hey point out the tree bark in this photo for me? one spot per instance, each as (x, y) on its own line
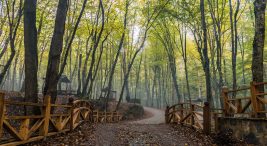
(31, 55)
(258, 43)
(205, 53)
(52, 73)
(117, 53)
(79, 76)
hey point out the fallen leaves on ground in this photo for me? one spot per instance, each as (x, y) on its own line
(82, 136)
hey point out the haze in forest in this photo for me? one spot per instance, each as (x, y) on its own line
(156, 52)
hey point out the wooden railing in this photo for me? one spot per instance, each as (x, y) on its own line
(250, 103)
(190, 114)
(16, 130)
(106, 117)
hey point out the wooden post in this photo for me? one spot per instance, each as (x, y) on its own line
(167, 115)
(105, 117)
(2, 112)
(46, 114)
(71, 100)
(239, 105)
(225, 100)
(254, 100)
(192, 114)
(206, 118)
(182, 112)
(24, 129)
(97, 116)
(215, 118)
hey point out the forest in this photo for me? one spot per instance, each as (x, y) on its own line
(158, 52)
(133, 72)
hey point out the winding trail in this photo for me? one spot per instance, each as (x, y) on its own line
(156, 118)
(150, 131)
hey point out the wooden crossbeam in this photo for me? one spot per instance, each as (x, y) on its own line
(187, 116)
(246, 106)
(200, 125)
(232, 106)
(36, 126)
(77, 113)
(263, 100)
(11, 130)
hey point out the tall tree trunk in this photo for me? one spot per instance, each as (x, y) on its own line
(205, 53)
(14, 80)
(184, 55)
(95, 46)
(233, 24)
(79, 76)
(137, 78)
(147, 83)
(110, 80)
(69, 43)
(52, 73)
(259, 38)
(258, 45)
(31, 55)
(242, 51)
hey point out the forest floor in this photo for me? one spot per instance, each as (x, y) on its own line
(148, 131)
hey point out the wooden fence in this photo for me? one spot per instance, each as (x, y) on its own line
(16, 130)
(248, 101)
(106, 117)
(190, 114)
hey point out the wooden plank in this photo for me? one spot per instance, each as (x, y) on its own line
(261, 94)
(24, 117)
(36, 126)
(61, 105)
(59, 123)
(239, 106)
(198, 121)
(24, 129)
(246, 106)
(260, 83)
(263, 100)
(75, 116)
(12, 130)
(240, 98)
(23, 103)
(60, 115)
(177, 116)
(187, 116)
(54, 125)
(65, 122)
(46, 113)
(192, 115)
(225, 99)
(254, 101)
(232, 107)
(24, 135)
(240, 89)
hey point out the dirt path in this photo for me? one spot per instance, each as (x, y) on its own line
(156, 118)
(143, 134)
(150, 131)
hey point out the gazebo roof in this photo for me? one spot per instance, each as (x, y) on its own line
(64, 79)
